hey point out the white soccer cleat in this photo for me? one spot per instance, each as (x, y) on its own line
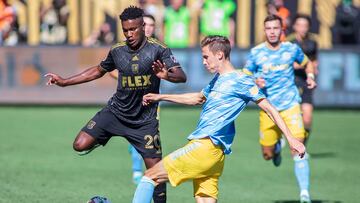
(305, 196)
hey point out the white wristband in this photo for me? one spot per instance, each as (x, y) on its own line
(311, 75)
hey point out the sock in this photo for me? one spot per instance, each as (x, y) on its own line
(160, 193)
(277, 148)
(136, 160)
(302, 172)
(144, 191)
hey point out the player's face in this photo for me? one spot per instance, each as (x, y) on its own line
(301, 26)
(133, 31)
(210, 60)
(273, 31)
(149, 27)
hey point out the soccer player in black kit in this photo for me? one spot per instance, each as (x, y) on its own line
(142, 62)
(307, 42)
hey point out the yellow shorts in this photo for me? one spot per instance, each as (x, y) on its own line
(270, 132)
(199, 160)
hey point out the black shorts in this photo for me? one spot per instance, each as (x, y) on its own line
(145, 138)
(306, 94)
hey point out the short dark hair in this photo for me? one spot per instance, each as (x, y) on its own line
(303, 16)
(149, 16)
(217, 43)
(272, 17)
(130, 13)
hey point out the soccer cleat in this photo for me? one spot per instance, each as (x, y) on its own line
(305, 197)
(137, 175)
(85, 152)
(277, 154)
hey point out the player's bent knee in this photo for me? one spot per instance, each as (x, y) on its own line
(268, 155)
(83, 141)
(79, 147)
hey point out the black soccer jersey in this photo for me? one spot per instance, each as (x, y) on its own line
(309, 47)
(136, 78)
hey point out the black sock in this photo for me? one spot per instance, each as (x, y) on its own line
(160, 193)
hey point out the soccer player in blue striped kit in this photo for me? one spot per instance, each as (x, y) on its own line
(271, 63)
(223, 99)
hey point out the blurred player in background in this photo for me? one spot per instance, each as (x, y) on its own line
(149, 21)
(272, 64)
(307, 42)
(149, 28)
(7, 18)
(141, 62)
(277, 7)
(202, 159)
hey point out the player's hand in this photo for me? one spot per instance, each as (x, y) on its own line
(160, 69)
(311, 84)
(260, 82)
(297, 147)
(150, 98)
(55, 80)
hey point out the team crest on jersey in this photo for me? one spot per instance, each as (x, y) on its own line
(135, 68)
(173, 58)
(91, 124)
(286, 56)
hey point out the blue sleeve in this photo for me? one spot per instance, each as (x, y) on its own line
(248, 89)
(250, 66)
(300, 57)
(206, 91)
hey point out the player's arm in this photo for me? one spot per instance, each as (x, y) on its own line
(187, 98)
(85, 76)
(114, 74)
(310, 73)
(304, 61)
(174, 74)
(275, 116)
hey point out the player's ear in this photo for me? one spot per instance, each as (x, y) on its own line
(220, 55)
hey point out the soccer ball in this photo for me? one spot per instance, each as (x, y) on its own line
(98, 199)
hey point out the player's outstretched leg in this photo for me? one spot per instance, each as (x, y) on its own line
(302, 173)
(84, 143)
(159, 195)
(146, 187)
(136, 165)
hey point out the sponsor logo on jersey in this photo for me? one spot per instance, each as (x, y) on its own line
(135, 81)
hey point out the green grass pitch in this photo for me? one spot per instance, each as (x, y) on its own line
(37, 163)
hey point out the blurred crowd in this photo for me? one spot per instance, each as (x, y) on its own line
(173, 21)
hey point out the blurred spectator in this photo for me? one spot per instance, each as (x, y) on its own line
(216, 19)
(7, 19)
(149, 21)
(53, 23)
(155, 8)
(101, 36)
(276, 7)
(346, 29)
(176, 25)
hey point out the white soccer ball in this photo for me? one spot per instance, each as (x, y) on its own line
(99, 199)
